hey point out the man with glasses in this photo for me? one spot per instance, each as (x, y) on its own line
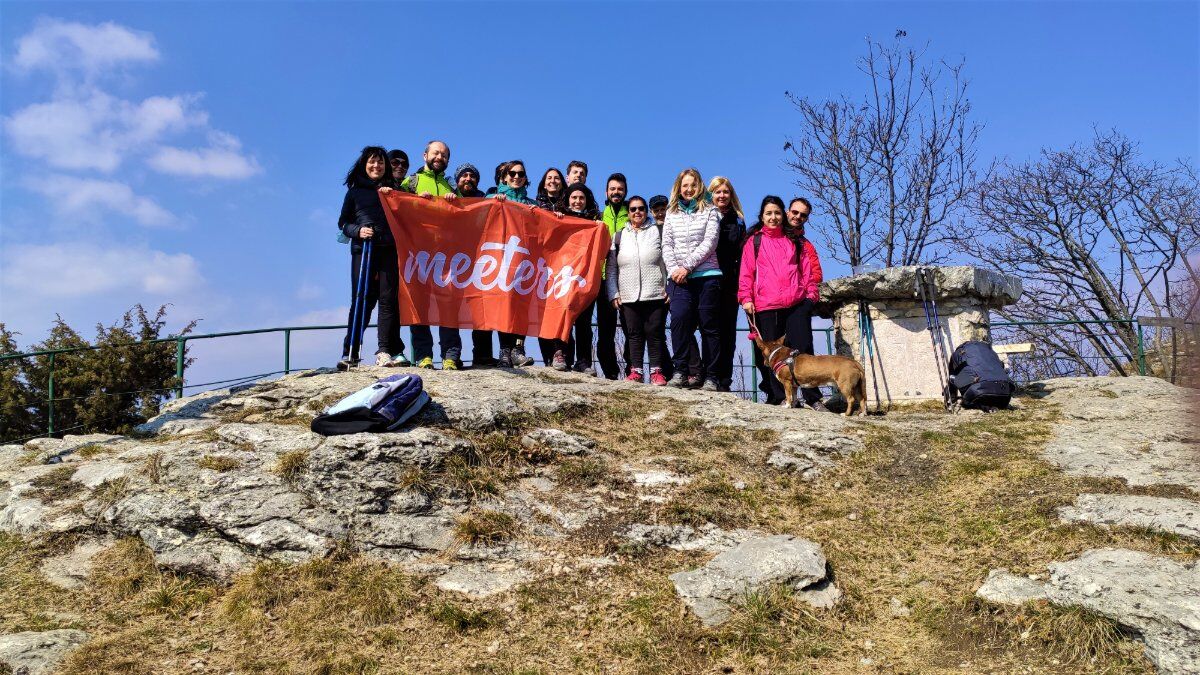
(798, 212)
(430, 181)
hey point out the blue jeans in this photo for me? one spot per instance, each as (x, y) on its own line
(448, 338)
(696, 303)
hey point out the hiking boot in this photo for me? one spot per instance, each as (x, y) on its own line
(679, 380)
(484, 362)
(585, 368)
(710, 385)
(346, 363)
(634, 375)
(383, 359)
(426, 362)
(694, 381)
(818, 406)
(519, 358)
(559, 361)
(450, 364)
(400, 361)
(506, 359)
(656, 377)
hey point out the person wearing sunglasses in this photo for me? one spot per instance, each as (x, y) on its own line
(514, 188)
(636, 283)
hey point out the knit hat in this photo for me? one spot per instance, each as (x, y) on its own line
(397, 154)
(657, 201)
(466, 168)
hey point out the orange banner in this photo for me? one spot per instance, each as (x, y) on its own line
(493, 265)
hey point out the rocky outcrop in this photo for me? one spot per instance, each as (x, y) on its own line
(992, 288)
(1177, 516)
(713, 591)
(1142, 430)
(1156, 597)
(33, 653)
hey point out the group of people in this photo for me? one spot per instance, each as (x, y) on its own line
(687, 255)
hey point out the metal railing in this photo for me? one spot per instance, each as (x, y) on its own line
(181, 344)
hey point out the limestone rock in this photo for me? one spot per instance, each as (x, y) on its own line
(1178, 516)
(481, 580)
(994, 288)
(1140, 429)
(712, 591)
(1155, 597)
(707, 537)
(559, 441)
(71, 569)
(38, 653)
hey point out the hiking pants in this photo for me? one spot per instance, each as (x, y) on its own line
(578, 348)
(795, 323)
(694, 304)
(449, 341)
(383, 279)
(606, 335)
(481, 346)
(645, 324)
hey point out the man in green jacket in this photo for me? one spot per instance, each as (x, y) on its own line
(430, 181)
(615, 217)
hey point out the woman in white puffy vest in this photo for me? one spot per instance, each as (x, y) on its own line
(689, 246)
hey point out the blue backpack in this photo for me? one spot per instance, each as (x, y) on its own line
(383, 406)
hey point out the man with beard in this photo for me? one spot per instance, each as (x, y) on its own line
(797, 215)
(615, 216)
(430, 181)
(466, 181)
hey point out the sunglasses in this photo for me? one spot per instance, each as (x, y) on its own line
(802, 216)
(399, 162)
(516, 174)
(637, 209)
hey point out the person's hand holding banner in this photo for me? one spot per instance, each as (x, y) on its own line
(493, 264)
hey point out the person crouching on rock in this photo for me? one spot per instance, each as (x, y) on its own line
(374, 272)
(637, 284)
(776, 290)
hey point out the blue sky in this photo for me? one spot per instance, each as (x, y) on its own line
(192, 153)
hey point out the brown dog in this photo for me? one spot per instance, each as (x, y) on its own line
(813, 371)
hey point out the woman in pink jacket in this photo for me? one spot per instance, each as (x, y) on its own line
(778, 286)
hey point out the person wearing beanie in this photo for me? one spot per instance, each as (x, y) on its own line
(466, 181)
(576, 201)
(398, 160)
(658, 208)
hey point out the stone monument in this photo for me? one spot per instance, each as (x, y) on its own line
(899, 359)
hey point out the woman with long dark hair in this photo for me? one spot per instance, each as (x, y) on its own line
(362, 221)
(776, 287)
(577, 201)
(550, 189)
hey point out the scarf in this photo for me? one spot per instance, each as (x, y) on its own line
(687, 205)
(515, 194)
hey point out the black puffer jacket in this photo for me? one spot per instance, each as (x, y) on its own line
(362, 208)
(729, 245)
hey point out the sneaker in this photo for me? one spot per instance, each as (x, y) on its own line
(383, 359)
(634, 375)
(400, 361)
(589, 371)
(506, 359)
(347, 363)
(426, 362)
(657, 379)
(559, 361)
(679, 380)
(694, 381)
(450, 364)
(519, 358)
(710, 385)
(581, 367)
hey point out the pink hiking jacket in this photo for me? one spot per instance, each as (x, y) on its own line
(780, 283)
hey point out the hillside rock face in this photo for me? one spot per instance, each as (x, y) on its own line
(226, 479)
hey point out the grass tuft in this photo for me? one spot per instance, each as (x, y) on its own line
(220, 463)
(461, 619)
(585, 472)
(291, 464)
(153, 467)
(55, 485)
(486, 527)
(459, 474)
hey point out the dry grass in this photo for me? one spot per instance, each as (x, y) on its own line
(153, 467)
(934, 508)
(486, 527)
(55, 484)
(289, 465)
(219, 463)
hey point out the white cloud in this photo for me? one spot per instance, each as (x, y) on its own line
(61, 271)
(86, 200)
(60, 45)
(97, 132)
(222, 160)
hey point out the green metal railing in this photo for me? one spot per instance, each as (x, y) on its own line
(1141, 338)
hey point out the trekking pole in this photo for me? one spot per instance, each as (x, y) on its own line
(921, 290)
(867, 336)
(360, 309)
(931, 279)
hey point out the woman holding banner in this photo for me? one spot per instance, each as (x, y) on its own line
(374, 272)
(689, 249)
(576, 201)
(550, 189)
(516, 180)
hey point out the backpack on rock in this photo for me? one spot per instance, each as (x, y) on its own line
(383, 406)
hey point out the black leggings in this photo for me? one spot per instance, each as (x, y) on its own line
(795, 323)
(383, 279)
(645, 330)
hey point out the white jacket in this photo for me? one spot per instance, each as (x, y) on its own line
(689, 240)
(635, 270)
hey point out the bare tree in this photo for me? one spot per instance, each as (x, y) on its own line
(1099, 235)
(892, 169)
